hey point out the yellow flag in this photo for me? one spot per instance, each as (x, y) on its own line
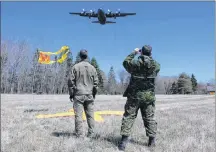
(44, 57)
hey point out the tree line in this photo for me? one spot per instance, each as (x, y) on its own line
(21, 73)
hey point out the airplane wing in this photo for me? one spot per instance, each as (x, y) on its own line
(86, 14)
(109, 15)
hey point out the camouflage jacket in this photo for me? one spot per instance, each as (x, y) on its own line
(82, 79)
(143, 73)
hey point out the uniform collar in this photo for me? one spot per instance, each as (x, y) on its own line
(85, 60)
(143, 56)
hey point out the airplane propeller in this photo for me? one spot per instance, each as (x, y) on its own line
(83, 11)
(92, 12)
(109, 11)
(118, 10)
(117, 13)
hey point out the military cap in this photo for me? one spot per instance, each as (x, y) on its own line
(83, 53)
(146, 49)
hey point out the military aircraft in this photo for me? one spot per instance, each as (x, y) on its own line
(101, 15)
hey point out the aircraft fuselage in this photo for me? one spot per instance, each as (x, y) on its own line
(101, 16)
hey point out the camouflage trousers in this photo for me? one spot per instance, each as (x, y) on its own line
(147, 111)
(86, 102)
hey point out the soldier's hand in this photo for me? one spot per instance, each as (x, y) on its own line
(136, 50)
(94, 92)
(71, 98)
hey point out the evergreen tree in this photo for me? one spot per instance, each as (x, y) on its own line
(184, 84)
(78, 59)
(174, 88)
(36, 74)
(62, 78)
(69, 62)
(112, 81)
(55, 76)
(194, 83)
(100, 79)
(88, 59)
(66, 68)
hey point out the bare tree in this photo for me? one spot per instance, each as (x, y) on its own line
(123, 77)
(17, 55)
(167, 87)
(159, 85)
(201, 88)
(163, 84)
(211, 82)
(4, 61)
(21, 73)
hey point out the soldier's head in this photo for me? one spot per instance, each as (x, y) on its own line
(146, 50)
(83, 54)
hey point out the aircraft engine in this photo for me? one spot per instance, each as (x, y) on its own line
(110, 12)
(118, 12)
(83, 11)
(91, 13)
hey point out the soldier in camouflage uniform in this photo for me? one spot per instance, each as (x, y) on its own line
(82, 81)
(140, 94)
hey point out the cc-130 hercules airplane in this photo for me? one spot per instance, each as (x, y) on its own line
(102, 16)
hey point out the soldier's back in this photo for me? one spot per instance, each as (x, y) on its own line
(142, 83)
(85, 73)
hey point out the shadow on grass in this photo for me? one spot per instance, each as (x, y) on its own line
(145, 144)
(35, 110)
(114, 140)
(138, 142)
(62, 134)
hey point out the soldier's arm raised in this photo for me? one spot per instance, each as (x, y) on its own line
(157, 68)
(129, 64)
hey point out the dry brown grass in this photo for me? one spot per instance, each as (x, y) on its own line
(185, 124)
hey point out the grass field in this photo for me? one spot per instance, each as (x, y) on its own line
(185, 124)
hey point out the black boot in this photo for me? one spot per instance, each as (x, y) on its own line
(151, 142)
(123, 143)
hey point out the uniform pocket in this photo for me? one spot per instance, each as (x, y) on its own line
(131, 106)
(79, 98)
(147, 96)
(89, 98)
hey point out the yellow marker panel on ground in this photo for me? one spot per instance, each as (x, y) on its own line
(97, 114)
